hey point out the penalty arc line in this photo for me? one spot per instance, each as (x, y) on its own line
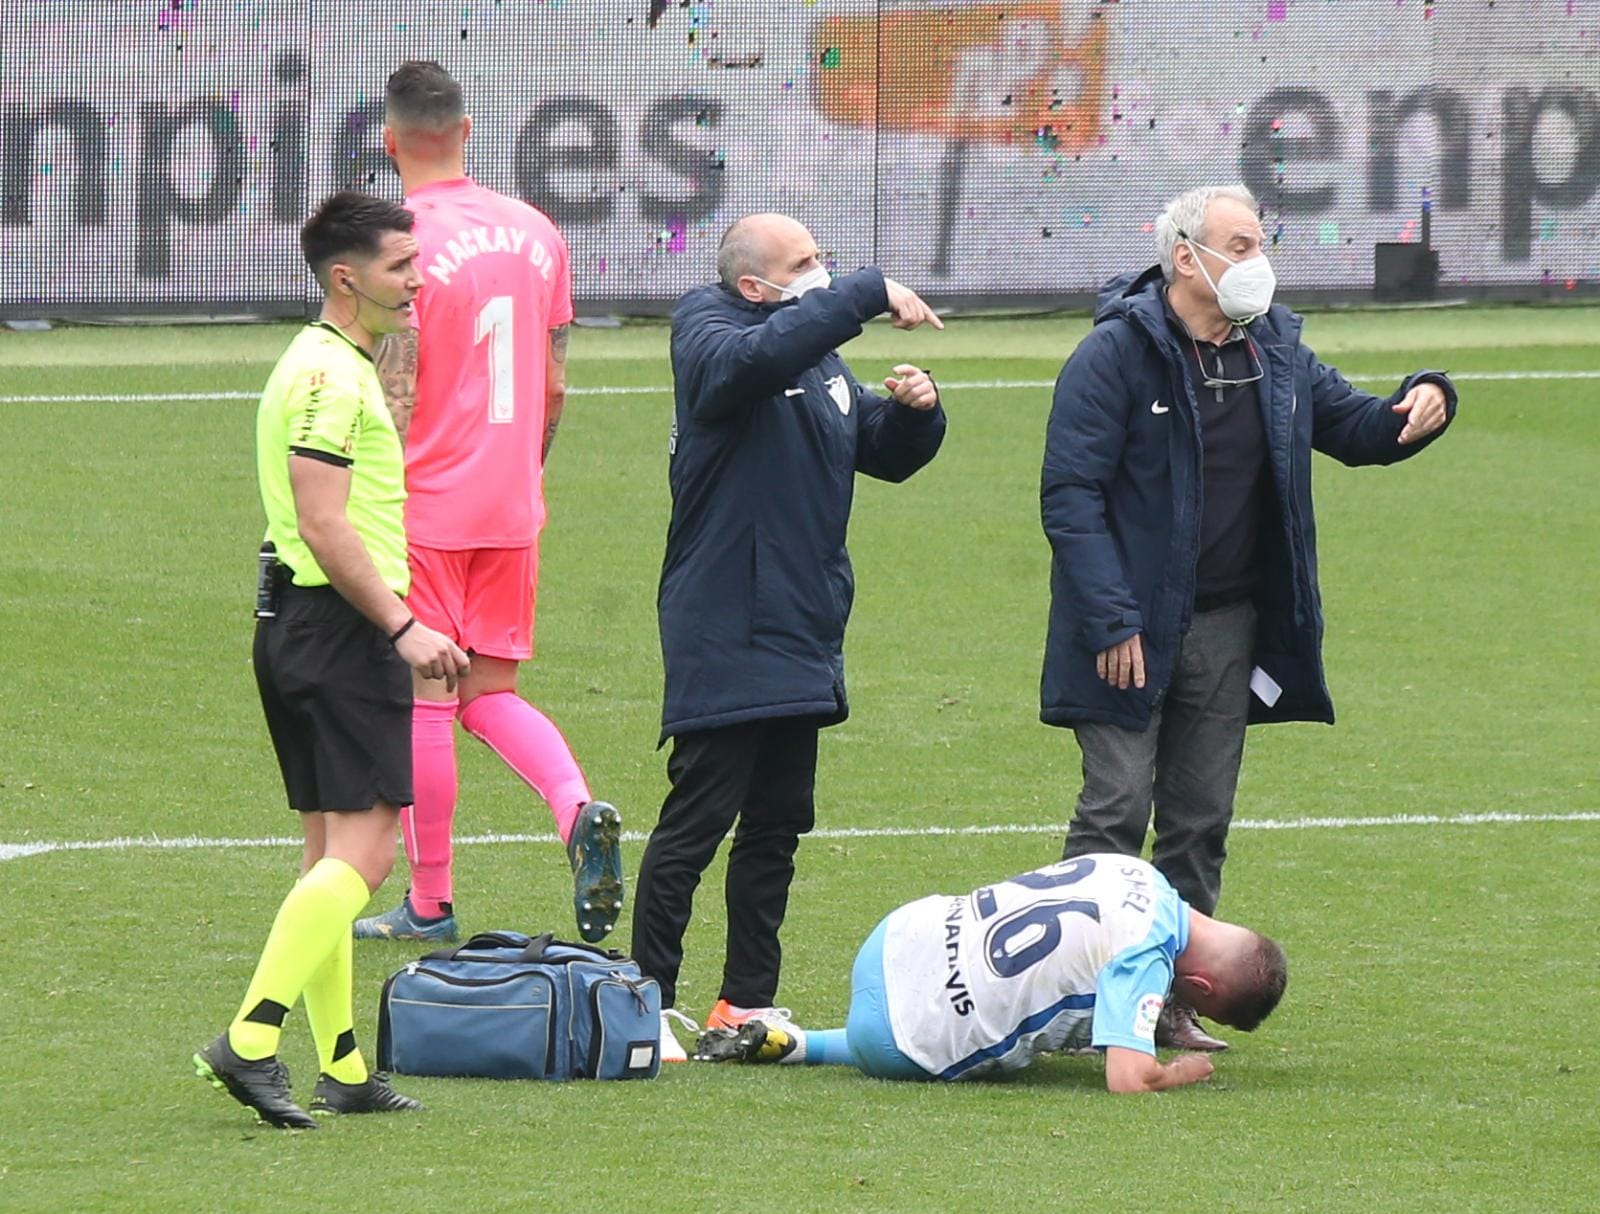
(141, 398)
(18, 851)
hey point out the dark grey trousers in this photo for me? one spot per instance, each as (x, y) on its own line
(1186, 765)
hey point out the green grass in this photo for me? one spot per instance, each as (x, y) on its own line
(1435, 1050)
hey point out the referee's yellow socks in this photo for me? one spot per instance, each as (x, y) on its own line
(328, 1008)
(311, 923)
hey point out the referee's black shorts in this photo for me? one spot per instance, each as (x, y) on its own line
(338, 703)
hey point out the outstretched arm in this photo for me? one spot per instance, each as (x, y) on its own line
(727, 365)
(1134, 1071)
(1356, 427)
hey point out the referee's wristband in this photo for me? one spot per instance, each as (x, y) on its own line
(402, 630)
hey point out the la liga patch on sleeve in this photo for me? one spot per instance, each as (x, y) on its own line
(1146, 1015)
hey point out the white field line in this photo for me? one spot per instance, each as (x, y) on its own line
(142, 398)
(18, 851)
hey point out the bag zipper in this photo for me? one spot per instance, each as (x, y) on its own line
(633, 989)
(452, 980)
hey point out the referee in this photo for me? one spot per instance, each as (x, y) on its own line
(333, 656)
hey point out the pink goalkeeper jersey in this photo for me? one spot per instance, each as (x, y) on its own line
(496, 282)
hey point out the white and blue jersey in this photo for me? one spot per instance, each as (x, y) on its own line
(1077, 954)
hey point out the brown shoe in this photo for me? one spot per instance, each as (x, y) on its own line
(1179, 1030)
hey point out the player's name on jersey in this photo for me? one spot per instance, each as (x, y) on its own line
(955, 986)
(474, 242)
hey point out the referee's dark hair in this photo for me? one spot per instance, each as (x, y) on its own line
(349, 222)
(422, 94)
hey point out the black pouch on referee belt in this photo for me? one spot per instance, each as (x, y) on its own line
(509, 1006)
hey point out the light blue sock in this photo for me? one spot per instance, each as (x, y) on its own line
(827, 1047)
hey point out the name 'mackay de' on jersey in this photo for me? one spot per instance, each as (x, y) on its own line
(1076, 954)
(496, 280)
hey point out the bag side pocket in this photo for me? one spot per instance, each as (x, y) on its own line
(616, 1024)
(437, 1023)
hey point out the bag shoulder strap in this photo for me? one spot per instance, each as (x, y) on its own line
(594, 952)
(533, 948)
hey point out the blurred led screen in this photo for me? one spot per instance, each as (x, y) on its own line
(159, 155)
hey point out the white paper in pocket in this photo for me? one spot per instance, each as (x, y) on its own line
(1265, 686)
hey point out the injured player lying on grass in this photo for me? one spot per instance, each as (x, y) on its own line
(1081, 955)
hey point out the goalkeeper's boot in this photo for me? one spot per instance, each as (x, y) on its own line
(260, 1084)
(754, 1041)
(1178, 1029)
(403, 923)
(594, 849)
(371, 1095)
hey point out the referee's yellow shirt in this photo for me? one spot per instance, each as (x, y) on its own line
(324, 401)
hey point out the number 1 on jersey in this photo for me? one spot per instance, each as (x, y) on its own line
(494, 322)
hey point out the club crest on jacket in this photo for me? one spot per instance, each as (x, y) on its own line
(839, 389)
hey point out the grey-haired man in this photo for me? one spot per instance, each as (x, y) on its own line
(1176, 496)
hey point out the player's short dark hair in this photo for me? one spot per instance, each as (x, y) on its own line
(421, 93)
(349, 222)
(1258, 983)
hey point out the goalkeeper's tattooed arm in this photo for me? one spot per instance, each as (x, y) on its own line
(397, 369)
(555, 386)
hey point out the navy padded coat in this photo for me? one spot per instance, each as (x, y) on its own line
(769, 432)
(1120, 499)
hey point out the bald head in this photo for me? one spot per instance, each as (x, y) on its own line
(769, 246)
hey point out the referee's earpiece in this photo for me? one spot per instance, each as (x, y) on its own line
(350, 285)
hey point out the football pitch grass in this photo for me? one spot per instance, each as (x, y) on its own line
(1435, 1050)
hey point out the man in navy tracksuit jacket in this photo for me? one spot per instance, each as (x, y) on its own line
(770, 430)
(1177, 499)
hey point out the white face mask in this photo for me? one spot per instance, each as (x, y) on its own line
(811, 280)
(1245, 289)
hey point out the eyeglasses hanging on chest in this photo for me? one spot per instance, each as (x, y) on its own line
(1217, 379)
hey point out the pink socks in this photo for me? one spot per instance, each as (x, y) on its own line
(531, 746)
(427, 824)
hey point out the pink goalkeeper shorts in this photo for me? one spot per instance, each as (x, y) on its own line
(481, 598)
